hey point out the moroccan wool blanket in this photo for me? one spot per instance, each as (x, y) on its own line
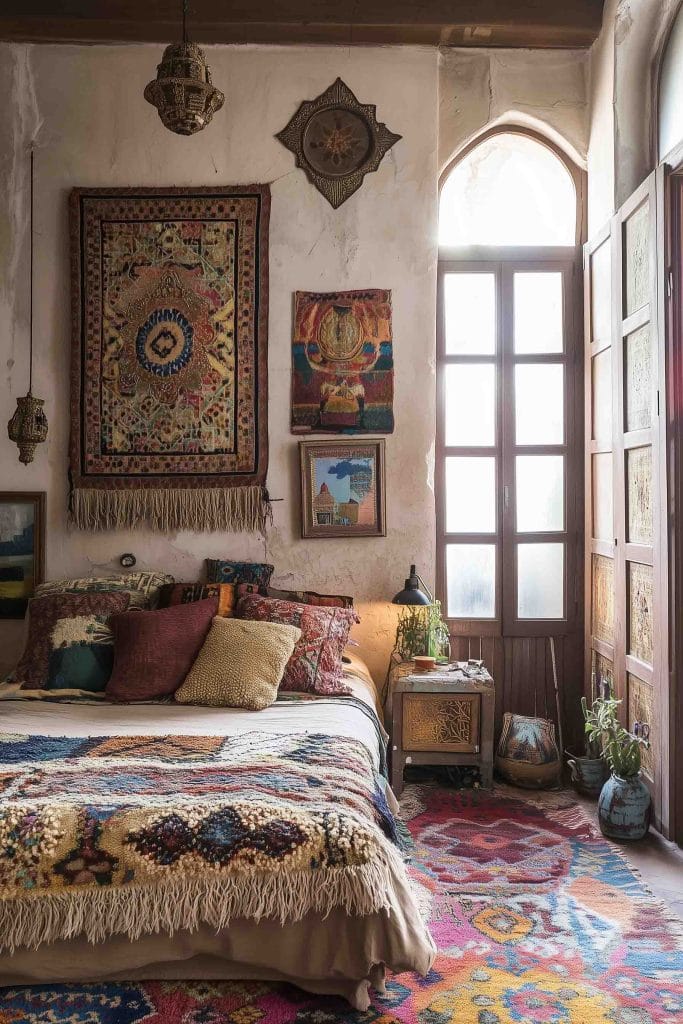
(135, 834)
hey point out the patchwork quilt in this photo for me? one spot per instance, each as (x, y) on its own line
(136, 834)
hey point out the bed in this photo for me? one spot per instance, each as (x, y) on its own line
(314, 890)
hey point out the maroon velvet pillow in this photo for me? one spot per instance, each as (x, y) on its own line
(316, 663)
(154, 651)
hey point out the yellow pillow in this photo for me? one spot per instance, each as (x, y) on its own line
(240, 664)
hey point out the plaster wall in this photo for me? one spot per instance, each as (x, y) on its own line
(544, 89)
(624, 62)
(83, 107)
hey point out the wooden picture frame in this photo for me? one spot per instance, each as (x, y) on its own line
(22, 549)
(342, 488)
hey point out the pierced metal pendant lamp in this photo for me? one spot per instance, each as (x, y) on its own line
(183, 92)
(28, 426)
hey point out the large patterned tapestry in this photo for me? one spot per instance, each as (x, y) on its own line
(135, 834)
(169, 367)
(537, 918)
(342, 363)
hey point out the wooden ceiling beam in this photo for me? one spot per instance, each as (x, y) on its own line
(532, 23)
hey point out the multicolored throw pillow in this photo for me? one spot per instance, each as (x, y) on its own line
(154, 651)
(316, 663)
(310, 597)
(33, 670)
(148, 583)
(219, 570)
(82, 654)
(228, 595)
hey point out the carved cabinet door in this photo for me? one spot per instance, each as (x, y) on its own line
(626, 555)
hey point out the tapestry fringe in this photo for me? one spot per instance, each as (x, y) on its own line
(184, 903)
(170, 509)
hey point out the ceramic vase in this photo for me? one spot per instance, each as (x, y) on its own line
(589, 774)
(624, 808)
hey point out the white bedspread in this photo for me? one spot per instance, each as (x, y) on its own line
(324, 715)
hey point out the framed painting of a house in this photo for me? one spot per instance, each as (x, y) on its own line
(22, 549)
(342, 489)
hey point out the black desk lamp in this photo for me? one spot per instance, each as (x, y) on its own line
(415, 591)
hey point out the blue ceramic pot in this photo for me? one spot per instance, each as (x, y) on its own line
(589, 774)
(624, 808)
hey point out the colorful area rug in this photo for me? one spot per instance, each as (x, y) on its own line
(538, 920)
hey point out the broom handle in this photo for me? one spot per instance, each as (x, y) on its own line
(557, 695)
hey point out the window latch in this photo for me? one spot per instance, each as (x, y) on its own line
(506, 497)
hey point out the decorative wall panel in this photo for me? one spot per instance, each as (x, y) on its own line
(603, 508)
(602, 397)
(603, 598)
(640, 600)
(637, 259)
(638, 382)
(604, 673)
(641, 709)
(639, 491)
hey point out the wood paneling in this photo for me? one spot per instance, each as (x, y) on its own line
(603, 598)
(641, 612)
(637, 646)
(639, 495)
(522, 671)
(431, 22)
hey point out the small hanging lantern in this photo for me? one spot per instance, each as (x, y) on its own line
(182, 92)
(28, 426)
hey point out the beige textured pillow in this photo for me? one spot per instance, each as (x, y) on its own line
(240, 665)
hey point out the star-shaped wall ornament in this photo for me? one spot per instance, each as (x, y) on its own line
(337, 141)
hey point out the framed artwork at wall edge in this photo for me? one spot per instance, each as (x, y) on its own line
(22, 549)
(342, 489)
(342, 362)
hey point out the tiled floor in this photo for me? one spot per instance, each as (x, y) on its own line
(659, 863)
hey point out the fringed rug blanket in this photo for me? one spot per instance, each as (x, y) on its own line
(169, 366)
(134, 835)
(538, 920)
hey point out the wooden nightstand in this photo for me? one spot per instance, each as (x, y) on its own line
(444, 717)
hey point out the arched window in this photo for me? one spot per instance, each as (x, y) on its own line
(509, 189)
(509, 465)
(671, 90)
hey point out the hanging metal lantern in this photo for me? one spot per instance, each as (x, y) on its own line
(28, 426)
(183, 92)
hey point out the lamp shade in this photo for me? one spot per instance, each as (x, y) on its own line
(412, 592)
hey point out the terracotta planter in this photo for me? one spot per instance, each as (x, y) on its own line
(589, 774)
(624, 808)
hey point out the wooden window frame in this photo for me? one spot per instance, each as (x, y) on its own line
(504, 262)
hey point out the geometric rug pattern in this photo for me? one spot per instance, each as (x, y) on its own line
(537, 918)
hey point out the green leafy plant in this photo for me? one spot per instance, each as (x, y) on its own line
(620, 748)
(421, 630)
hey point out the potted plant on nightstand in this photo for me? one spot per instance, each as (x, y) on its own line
(624, 805)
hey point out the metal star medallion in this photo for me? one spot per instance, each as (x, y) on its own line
(337, 141)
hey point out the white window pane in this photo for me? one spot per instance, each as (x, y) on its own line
(539, 403)
(470, 495)
(471, 581)
(540, 493)
(470, 404)
(538, 313)
(470, 314)
(508, 190)
(540, 581)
